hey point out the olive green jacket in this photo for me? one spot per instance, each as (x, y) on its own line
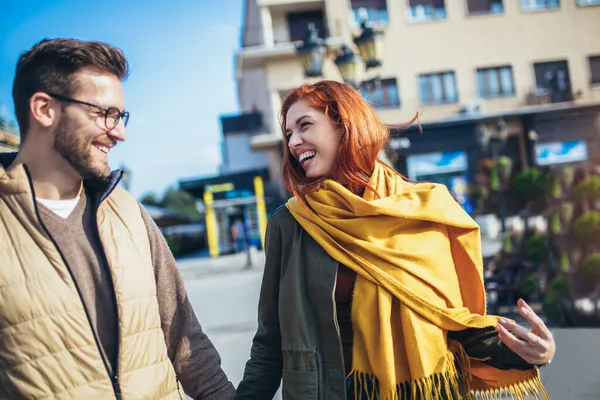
(298, 338)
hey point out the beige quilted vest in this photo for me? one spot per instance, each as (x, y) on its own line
(47, 347)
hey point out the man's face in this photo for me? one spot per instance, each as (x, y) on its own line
(82, 137)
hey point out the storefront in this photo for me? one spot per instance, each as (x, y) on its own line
(568, 137)
(449, 168)
(233, 197)
(445, 153)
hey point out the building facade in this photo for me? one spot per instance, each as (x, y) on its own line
(466, 65)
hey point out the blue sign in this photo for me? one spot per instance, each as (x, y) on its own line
(436, 163)
(560, 152)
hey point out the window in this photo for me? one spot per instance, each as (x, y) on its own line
(478, 7)
(495, 82)
(298, 24)
(553, 79)
(594, 70)
(537, 5)
(583, 3)
(438, 88)
(426, 10)
(381, 93)
(373, 10)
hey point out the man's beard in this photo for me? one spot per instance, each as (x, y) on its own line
(77, 151)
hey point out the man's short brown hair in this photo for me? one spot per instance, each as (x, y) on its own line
(49, 67)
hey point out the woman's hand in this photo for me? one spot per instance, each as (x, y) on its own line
(535, 346)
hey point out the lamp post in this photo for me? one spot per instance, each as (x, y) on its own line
(312, 52)
(370, 44)
(492, 145)
(350, 66)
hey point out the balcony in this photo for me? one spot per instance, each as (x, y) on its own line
(543, 96)
(250, 123)
(258, 56)
(283, 24)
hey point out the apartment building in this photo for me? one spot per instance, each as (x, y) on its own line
(531, 67)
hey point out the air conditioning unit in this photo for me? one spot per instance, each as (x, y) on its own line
(472, 107)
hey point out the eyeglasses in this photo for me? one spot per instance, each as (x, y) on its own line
(112, 115)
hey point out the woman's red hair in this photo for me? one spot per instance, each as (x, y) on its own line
(363, 136)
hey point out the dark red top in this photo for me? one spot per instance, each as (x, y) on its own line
(344, 290)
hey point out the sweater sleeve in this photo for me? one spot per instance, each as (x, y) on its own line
(194, 357)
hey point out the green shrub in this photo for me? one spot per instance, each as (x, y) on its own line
(528, 286)
(558, 288)
(586, 228)
(588, 188)
(530, 185)
(553, 310)
(535, 248)
(590, 267)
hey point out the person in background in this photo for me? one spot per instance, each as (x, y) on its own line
(238, 233)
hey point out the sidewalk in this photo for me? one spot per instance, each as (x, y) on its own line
(192, 267)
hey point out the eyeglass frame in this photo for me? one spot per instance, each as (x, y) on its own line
(122, 115)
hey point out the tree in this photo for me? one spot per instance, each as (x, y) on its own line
(178, 201)
(150, 199)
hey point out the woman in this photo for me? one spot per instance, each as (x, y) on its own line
(373, 285)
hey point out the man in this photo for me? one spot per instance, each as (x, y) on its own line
(238, 232)
(92, 303)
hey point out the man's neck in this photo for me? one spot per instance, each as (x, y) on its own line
(51, 181)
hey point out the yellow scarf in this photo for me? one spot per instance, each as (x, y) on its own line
(418, 261)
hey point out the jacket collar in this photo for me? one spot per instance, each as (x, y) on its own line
(98, 188)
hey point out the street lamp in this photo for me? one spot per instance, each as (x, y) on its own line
(350, 66)
(312, 52)
(492, 145)
(370, 44)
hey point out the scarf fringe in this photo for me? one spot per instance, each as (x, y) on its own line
(532, 389)
(434, 387)
(453, 384)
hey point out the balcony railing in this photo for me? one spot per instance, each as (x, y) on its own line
(540, 96)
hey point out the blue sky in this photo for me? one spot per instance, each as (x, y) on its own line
(181, 54)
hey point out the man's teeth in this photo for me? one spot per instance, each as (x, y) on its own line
(103, 149)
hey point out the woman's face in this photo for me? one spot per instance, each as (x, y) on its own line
(312, 140)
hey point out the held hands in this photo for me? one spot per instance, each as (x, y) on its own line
(535, 346)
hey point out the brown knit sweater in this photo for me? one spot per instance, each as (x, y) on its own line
(196, 361)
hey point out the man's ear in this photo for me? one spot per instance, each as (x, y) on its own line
(43, 109)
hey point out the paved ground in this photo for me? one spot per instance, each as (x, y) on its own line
(224, 293)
